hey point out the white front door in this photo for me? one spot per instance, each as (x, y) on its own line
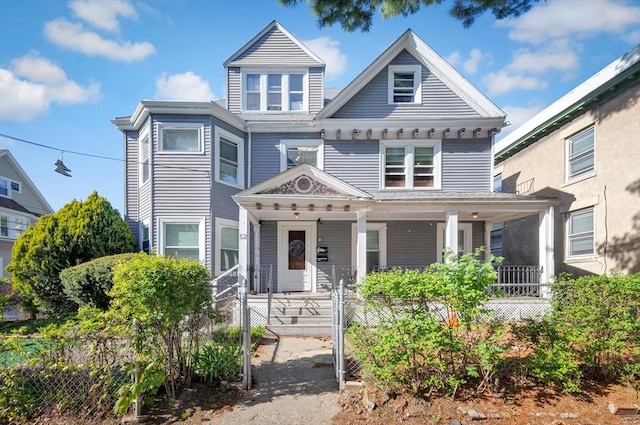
(296, 256)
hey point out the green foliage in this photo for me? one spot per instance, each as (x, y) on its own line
(170, 297)
(88, 283)
(358, 14)
(80, 231)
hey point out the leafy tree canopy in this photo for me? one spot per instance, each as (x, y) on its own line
(358, 14)
(80, 231)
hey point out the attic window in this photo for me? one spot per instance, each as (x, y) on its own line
(405, 84)
(275, 91)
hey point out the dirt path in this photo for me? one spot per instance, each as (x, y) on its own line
(294, 384)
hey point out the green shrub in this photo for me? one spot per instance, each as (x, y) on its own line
(88, 283)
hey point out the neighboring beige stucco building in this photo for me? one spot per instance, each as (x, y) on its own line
(585, 150)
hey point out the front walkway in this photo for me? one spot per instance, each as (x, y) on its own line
(294, 383)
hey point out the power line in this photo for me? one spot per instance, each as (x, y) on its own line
(17, 139)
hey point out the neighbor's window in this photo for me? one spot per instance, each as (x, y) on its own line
(182, 239)
(145, 242)
(4, 187)
(16, 187)
(4, 226)
(275, 91)
(411, 165)
(497, 183)
(181, 138)
(581, 154)
(405, 84)
(229, 158)
(580, 233)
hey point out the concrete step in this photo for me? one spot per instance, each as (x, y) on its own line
(302, 311)
(301, 329)
(293, 319)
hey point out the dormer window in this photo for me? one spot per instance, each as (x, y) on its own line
(405, 84)
(275, 91)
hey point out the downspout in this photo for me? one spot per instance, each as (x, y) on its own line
(249, 156)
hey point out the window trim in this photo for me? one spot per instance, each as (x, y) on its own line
(284, 90)
(10, 190)
(382, 240)
(162, 127)
(410, 146)
(573, 178)
(221, 223)
(467, 229)
(417, 83)
(144, 137)
(285, 144)
(146, 223)
(200, 221)
(239, 141)
(569, 236)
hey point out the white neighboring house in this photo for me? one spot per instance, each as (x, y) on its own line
(21, 205)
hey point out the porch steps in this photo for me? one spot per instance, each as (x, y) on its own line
(300, 314)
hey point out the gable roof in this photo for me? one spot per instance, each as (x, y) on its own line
(298, 48)
(440, 68)
(608, 81)
(26, 181)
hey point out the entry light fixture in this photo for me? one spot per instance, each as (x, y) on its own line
(296, 216)
(474, 215)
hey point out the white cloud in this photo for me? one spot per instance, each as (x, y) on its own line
(563, 18)
(75, 37)
(103, 14)
(471, 64)
(33, 83)
(518, 115)
(329, 51)
(454, 59)
(632, 37)
(555, 56)
(187, 86)
(504, 81)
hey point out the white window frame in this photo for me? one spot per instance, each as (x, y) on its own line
(144, 139)
(569, 237)
(466, 228)
(417, 82)
(222, 223)
(297, 143)
(162, 127)
(285, 92)
(410, 146)
(200, 221)
(592, 152)
(145, 224)
(4, 226)
(239, 141)
(9, 183)
(382, 240)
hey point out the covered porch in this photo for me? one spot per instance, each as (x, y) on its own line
(300, 226)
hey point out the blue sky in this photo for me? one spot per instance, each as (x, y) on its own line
(67, 68)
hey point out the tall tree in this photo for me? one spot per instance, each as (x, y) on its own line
(80, 231)
(358, 14)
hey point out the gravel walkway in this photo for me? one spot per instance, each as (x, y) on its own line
(294, 384)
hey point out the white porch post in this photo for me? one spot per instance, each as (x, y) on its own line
(361, 244)
(256, 256)
(488, 227)
(545, 246)
(243, 246)
(451, 232)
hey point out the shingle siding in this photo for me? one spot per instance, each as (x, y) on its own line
(438, 100)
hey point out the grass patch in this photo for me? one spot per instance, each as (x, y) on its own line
(29, 327)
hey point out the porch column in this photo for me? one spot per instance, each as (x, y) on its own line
(545, 246)
(488, 227)
(361, 244)
(451, 232)
(243, 246)
(256, 256)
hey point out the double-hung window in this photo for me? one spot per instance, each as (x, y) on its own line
(145, 159)
(227, 244)
(4, 226)
(229, 158)
(183, 238)
(405, 84)
(376, 246)
(410, 165)
(4, 188)
(185, 138)
(580, 233)
(275, 91)
(294, 152)
(581, 154)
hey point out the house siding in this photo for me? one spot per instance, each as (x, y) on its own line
(268, 252)
(131, 201)
(234, 89)
(316, 90)
(357, 162)
(274, 48)
(466, 165)
(336, 236)
(438, 100)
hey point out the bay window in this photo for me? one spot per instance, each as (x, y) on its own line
(227, 244)
(183, 238)
(229, 155)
